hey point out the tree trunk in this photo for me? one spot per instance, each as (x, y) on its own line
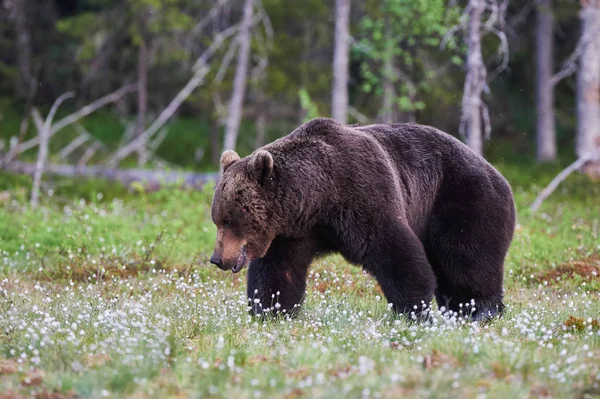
(588, 82)
(544, 36)
(475, 80)
(234, 117)
(39, 165)
(142, 98)
(18, 10)
(339, 101)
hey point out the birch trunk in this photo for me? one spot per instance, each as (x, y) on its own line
(588, 82)
(234, 117)
(545, 130)
(339, 100)
(475, 80)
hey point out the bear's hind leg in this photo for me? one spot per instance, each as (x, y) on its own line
(277, 282)
(399, 264)
(467, 253)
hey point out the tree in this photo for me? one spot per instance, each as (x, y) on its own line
(399, 45)
(241, 76)
(588, 84)
(476, 79)
(148, 29)
(544, 39)
(339, 98)
(475, 120)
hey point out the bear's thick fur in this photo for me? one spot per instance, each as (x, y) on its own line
(412, 205)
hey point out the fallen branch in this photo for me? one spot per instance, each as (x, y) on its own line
(151, 179)
(164, 116)
(88, 154)
(73, 145)
(72, 118)
(545, 193)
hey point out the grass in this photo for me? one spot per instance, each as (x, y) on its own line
(108, 293)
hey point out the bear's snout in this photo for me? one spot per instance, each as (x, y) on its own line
(217, 261)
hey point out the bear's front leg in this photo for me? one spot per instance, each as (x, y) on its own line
(399, 263)
(277, 282)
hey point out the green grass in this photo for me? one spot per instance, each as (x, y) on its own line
(106, 292)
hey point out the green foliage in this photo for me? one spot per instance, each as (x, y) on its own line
(158, 24)
(307, 105)
(300, 55)
(405, 35)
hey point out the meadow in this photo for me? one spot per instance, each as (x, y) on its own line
(108, 292)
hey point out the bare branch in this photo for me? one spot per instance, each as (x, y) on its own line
(502, 53)
(44, 135)
(218, 42)
(74, 117)
(87, 155)
(487, 125)
(356, 114)
(210, 15)
(73, 145)
(545, 193)
(569, 66)
(226, 61)
(219, 106)
(160, 137)
(264, 17)
(518, 19)
(164, 116)
(462, 25)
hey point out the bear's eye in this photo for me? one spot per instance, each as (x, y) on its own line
(227, 222)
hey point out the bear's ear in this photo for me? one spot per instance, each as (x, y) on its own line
(228, 158)
(262, 163)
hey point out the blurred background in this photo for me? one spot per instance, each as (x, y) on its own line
(170, 84)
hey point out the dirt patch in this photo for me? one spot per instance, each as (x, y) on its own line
(96, 360)
(579, 324)
(439, 359)
(8, 367)
(55, 395)
(33, 378)
(540, 391)
(105, 270)
(588, 267)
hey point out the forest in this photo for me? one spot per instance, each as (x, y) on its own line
(114, 115)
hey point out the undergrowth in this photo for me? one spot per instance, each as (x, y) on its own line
(107, 292)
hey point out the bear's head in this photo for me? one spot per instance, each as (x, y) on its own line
(240, 210)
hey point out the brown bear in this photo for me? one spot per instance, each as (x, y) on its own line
(411, 204)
